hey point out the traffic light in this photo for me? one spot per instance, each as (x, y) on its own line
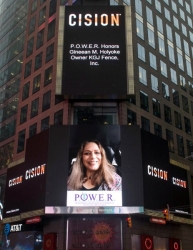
(129, 222)
(166, 214)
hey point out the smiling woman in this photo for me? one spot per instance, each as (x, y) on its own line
(92, 171)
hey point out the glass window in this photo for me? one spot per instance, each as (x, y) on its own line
(158, 6)
(178, 40)
(145, 124)
(167, 14)
(166, 1)
(156, 107)
(152, 60)
(36, 83)
(32, 24)
(52, 9)
(191, 36)
(176, 22)
(161, 46)
(154, 84)
(33, 130)
(171, 54)
(131, 117)
(48, 75)
(167, 114)
(159, 24)
(182, 15)
(141, 52)
(180, 61)
(190, 88)
(139, 29)
(186, 48)
(184, 30)
(46, 101)
(174, 6)
(163, 68)
(178, 121)
(30, 45)
(190, 150)
(144, 101)
(165, 91)
(38, 61)
(23, 114)
(142, 76)
(21, 141)
(157, 130)
(149, 15)
(176, 97)
(34, 107)
(7, 131)
(28, 69)
(45, 123)
(58, 117)
(25, 92)
(185, 103)
(169, 33)
(180, 144)
(187, 124)
(188, 66)
(182, 83)
(187, 7)
(49, 52)
(40, 39)
(42, 16)
(34, 6)
(138, 7)
(173, 76)
(151, 38)
(51, 29)
(42, 1)
(170, 139)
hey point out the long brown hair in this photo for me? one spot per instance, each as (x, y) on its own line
(103, 174)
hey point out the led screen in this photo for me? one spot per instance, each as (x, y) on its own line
(94, 61)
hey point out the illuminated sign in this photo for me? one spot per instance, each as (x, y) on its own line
(158, 173)
(94, 48)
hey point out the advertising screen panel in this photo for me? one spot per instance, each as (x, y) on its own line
(94, 59)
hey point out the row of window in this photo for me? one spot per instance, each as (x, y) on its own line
(145, 124)
(45, 123)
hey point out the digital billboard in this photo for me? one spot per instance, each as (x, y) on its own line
(94, 58)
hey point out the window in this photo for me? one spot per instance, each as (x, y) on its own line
(33, 130)
(51, 29)
(173, 76)
(142, 76)
(157, 130)
(46, 101)
(184, 30)
(161, 46)
(58, 117)
(131, 117)
(191, 36)
(190, 149)
(34, 107)
(181, 2)
(139, 29)
(174, 6)
(182, 83)
(171, 53)
(156, 107)
(30, 45)
(158, 6)
(23, 114)
(42, 1)
(21, 141)
(187, 7)
(167, 114)
(180, 60)
(144, 101)
(52, 9)
(40, 39)
(176, 22)
(190, 88)
(166, 1)
(186, 48)
(33, 6)
(27, 69)
(176, 97)
(165, 91)
(141, 52)
(152, 60)
(42, 16)
(180, 144)
(138, 7)
(45, 123)
(36, 83)
(170, 139)
(188, 66)
(48, 76)
(185, 103)
(25, 92)
(163, 68)
(178, 40)
(49, 52)
(38, 61)
(159, 24)
(149, 15)
(167, 14)
(154, 84)
(151, 38)
(178, 121)
(187, 124)
(169, 33)
(32, 24)
(145, 124)
(182, 15)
